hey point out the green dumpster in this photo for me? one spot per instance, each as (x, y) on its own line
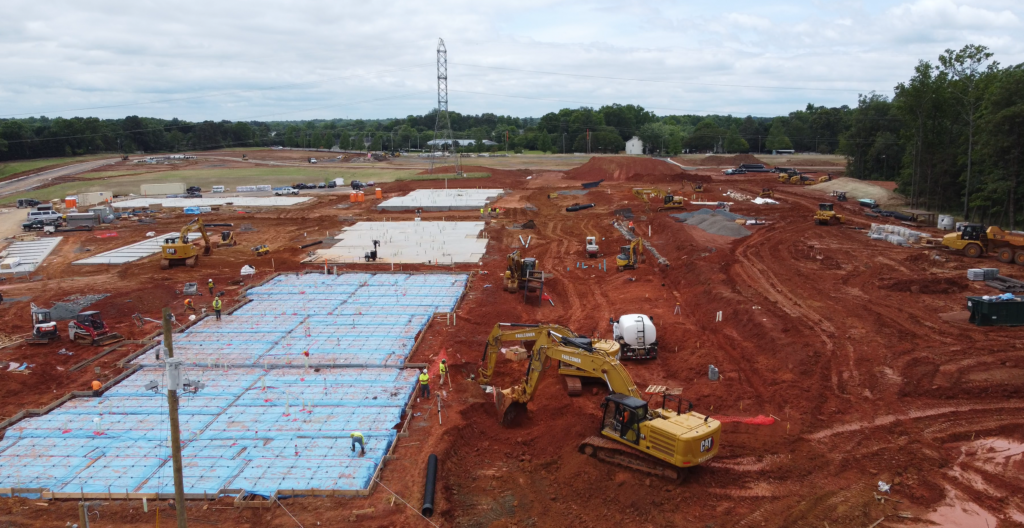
(996, 312)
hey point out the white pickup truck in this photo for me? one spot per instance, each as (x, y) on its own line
(284, 191)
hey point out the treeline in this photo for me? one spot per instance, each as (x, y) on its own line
(953, 134)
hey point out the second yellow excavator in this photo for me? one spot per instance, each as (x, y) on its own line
(630, 256)
(658, 441)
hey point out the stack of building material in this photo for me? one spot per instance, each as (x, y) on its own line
(976, 274)
(897, 235)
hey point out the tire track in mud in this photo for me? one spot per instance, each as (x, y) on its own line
(916, 415)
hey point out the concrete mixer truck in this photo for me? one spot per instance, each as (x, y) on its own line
(636, 335)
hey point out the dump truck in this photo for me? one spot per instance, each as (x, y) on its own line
(974, 240)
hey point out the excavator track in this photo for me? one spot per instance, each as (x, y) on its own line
(616, 453)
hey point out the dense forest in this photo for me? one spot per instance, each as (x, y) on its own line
(952, 136)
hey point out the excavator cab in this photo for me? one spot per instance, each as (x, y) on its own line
(622, 417)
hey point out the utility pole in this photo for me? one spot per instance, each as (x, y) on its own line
(173, 381)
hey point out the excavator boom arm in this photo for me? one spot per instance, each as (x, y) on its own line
(505, 332)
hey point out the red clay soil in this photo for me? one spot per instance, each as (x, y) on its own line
(620, 168)
(720, 161)
(855, 346)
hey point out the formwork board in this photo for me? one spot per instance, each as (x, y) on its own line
(408, 242)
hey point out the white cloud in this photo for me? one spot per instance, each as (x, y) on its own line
(372, 60)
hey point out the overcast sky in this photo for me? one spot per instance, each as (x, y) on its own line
(272, 60)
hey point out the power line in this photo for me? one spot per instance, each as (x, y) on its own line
(216, 94)
(660, 81)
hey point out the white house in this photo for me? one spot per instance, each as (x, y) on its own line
(634, 146)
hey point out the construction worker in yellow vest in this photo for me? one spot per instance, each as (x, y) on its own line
(424, 384)
(357, 438)
(209, 284)
(444, 370)
(216, 307)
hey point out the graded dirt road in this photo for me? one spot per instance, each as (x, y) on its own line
(32, 181)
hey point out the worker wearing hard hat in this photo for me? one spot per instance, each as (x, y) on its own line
(444, 370)
(424, 384)
(189, 305)
(209, 284)
(217, 304)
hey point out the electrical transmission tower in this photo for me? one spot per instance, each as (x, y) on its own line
(443, 126)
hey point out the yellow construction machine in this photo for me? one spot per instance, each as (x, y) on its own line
(518, 270)
(697, 187)
(227, 239)
(535, 336)
(826, 215)
(177, 251)
(658, 441)
(669, 201)
(767, 192)
(630, 256)
(261, 250)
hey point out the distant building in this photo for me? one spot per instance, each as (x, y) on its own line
(634, 146)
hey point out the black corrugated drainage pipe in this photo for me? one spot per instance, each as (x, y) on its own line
(428, 489)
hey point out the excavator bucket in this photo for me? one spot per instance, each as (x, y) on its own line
(507, 406)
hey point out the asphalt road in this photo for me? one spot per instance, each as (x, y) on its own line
(26, 183)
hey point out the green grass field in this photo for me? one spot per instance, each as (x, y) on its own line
(11, 168)
(129, 181)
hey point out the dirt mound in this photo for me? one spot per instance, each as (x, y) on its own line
(721, 161)
(924, 286)
(621, 168)
(856, 189)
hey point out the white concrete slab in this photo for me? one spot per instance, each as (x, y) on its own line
(30, 254)
(244, 201)
(442, 200)
(409, 242)
(133, 252)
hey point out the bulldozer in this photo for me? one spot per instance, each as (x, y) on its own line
(669, 201)
(840, 196)
(506, 333)
(88, 327)
(227, 239)
(44, 329)
(767, 192)
(178, 251)
(657, 441)
(261, 250)
(518, 270)
(826, 215)
(630, 256)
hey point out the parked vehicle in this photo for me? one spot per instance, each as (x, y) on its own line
(356, 185)
(218, 188)
(27, 202)
(39, 224)
(321, 186)
(43, 215)
(193, 190)
(331, 185)
(286, 191)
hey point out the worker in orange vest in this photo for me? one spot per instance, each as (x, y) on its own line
(189, 305)
(96, 386)
(631, 228)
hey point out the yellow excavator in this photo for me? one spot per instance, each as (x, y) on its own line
(177, 251)
(697, 187)
(826, 215)
(539, 335)
(630, 256)
(658, 441)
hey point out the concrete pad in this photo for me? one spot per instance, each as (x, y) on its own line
(246, 201)
(31, 254)
(408, 242)
(442, 200)
(133, 252)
